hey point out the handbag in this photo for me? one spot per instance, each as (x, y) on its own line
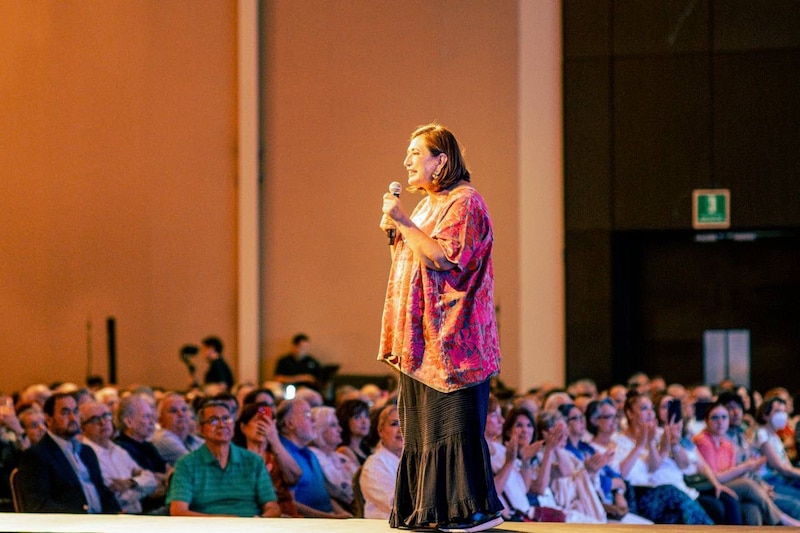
(698, 482)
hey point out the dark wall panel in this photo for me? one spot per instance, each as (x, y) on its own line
(662, 97)
(587, 132)
(757, 136)
(756, 24)
(660, 27)
(662, 124)
(587, 28)
(588, 272)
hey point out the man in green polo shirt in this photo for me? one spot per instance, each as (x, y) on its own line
(218, 478)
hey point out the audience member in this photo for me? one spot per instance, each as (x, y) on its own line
(298, 366)
(772, 417)
(218, 370)
(259, 395)
(220, 479)
(108, 396)
(296, 432)
(639, 382)
(36, 393)
(60, 474)
(241, 390)
(718, 452)
(353, 417)
(700, 398)
(256, 431)
(378, 475)
(638, 455)
(311, 396)
(137, 423)
(337, 467)
(31, 418)
(230, 400)
(129, 482)
(611, 487)
(174, 438)
(685, 463)
(512, 465)
(567, 478)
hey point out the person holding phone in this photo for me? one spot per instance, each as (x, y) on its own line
(256, 431)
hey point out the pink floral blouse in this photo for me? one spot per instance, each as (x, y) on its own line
(439, 327)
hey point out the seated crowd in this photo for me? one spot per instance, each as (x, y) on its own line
(638, 453)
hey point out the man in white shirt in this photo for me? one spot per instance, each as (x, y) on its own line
(121, 474)
(174, 438)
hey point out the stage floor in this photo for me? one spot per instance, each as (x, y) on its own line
(151, 524)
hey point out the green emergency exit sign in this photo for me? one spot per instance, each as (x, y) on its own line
(711, 208)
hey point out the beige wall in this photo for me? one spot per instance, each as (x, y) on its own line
(346, 83)
(118, 154)
(117, 185)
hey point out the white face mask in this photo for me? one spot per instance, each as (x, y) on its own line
(778, 420)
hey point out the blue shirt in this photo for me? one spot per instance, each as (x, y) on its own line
(241, 489)
(606, 474)
(310, 488)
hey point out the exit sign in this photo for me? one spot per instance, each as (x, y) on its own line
(711, 208)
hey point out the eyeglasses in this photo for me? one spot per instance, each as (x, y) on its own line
(718, 417)
(99, 419)
(216, 420)
(575, 418)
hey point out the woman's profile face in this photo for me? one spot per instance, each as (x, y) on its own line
(605, 419)
(420, 164)
(494, 423)
(331, 432)
(359, 424)
(576, 423)
(641, 412)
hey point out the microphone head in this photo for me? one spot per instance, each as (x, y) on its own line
(395, 187)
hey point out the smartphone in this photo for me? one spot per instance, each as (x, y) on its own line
(265, 411)
(674, 411)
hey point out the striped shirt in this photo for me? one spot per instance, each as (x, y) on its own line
(241, 489)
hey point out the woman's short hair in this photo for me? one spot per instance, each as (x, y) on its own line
(321, 417)
(440, 140)
(546, 420)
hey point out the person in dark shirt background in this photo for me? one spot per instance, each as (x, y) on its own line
(218, 370)
(298, 366)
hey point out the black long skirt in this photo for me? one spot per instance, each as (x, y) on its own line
(445, 472)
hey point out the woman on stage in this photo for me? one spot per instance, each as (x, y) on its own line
(439, 330)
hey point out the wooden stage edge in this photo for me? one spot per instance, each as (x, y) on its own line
(23, 522)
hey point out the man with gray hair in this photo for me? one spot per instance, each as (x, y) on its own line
(174, 438)
(136, 421)
(297, 431)
(121, 474)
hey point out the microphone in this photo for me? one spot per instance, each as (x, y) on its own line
(394, 188)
